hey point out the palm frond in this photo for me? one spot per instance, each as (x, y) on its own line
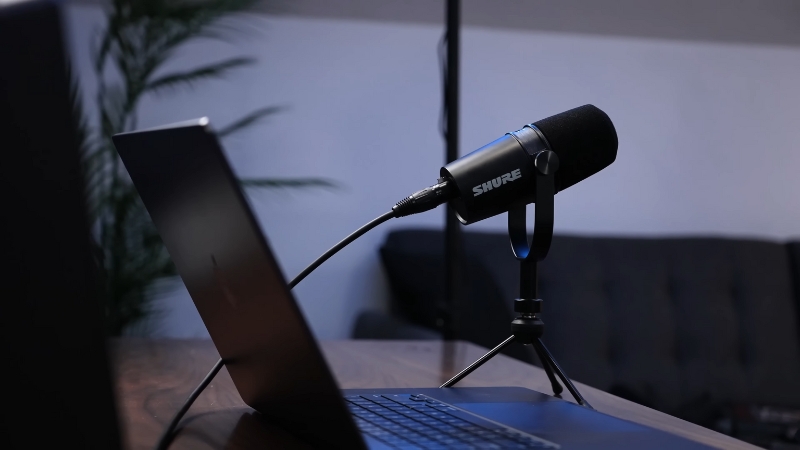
(81, 126)
(190, 77)
(160, 25)
(140, 36)
(283, 183)
(90, 164)
(248, 120)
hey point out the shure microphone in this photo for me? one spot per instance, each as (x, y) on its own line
(501, 175)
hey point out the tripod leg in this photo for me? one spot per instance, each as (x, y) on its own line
(557, 388)
(571, 387)
(478, 363)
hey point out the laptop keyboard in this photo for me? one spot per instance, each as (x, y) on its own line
(413, 421)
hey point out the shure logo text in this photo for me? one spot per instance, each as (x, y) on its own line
(496, 183)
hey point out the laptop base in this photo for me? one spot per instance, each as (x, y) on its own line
(553, 420)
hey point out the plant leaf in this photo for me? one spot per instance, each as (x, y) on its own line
(248, 120)
(188, 78)
(139, 37)
(283, 183)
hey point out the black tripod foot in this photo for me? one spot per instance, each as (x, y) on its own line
(478, 363)
(548, 369)
(571, 387)
(548, 362)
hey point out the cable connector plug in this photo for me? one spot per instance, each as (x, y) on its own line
(426, 199)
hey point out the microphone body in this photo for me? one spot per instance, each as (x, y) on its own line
(501, 175)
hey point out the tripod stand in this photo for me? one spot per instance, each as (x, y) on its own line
(527, 328)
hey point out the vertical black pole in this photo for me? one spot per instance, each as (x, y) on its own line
(453, 239)
(528, 279)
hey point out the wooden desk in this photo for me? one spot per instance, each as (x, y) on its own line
(154, 377)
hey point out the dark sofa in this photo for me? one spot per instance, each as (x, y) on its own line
(695, 327)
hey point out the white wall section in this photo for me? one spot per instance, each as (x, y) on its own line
(708, 135)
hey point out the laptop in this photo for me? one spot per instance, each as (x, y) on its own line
(276, 365)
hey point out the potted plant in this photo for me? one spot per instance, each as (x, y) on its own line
(138, 38)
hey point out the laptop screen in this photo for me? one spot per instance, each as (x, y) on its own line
(196, 203)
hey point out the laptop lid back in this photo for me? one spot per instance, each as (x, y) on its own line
(222, 256)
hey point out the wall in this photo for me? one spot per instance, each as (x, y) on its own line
(707, 132)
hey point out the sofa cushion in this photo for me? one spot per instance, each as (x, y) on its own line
(794, 260)
(415, 268)
(675, 323)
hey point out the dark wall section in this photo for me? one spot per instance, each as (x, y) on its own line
(771, 22)
(742, 21)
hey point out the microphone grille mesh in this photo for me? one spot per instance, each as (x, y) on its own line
(585, 141)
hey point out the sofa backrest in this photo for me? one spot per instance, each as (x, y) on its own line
(675, 323)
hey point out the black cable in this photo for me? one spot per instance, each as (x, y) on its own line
(166, 438)
(417, 202)
(332, 251)
(420, 201)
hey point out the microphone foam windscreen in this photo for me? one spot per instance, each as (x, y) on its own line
(584, 140)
